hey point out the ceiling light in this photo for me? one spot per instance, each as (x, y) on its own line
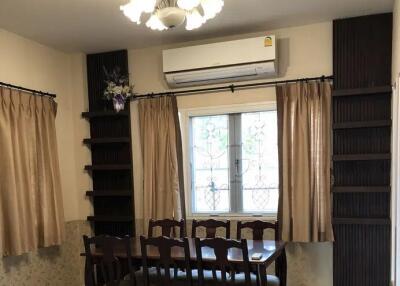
(188, 4)
(171, 16)
(133, 11)
(194, 20)
(148, 5)
(172, 13)
(154, 23)
(211, 8)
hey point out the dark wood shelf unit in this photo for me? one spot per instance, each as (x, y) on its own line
(362, 91)
(107, 218)
(361, 221)
(106, 140)
(362, 124)
(110, 144)
(106, 113)
(360, 189)
(109, 193)
(361, 157)
(361, 141)
(108, 167)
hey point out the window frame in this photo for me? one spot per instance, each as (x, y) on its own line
(185, 115)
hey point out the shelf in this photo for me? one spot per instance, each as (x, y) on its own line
(110, 193)
(361, 157)
(361, 221)
(361, 189)
(362, 91)
(93, 114)
(108, 167)
(110, 218)
(362, 124)
(106, 140)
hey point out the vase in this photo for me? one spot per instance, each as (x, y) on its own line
(119, 103)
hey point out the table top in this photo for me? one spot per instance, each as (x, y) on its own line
(270, 250)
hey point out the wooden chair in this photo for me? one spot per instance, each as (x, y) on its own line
(258, 227)
(165, 267)
(167, 227)
(211, 226)
(109, 266)
(223, 272)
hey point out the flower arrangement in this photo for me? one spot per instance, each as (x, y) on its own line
(118, 89)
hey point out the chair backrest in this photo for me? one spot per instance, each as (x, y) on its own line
(108, 264)
(165, 264)
(222, 264)
(211, 226)
(167, 227)
(257, 228)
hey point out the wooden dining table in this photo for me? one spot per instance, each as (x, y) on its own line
(272, 251)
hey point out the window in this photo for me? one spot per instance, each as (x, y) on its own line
(234, 163)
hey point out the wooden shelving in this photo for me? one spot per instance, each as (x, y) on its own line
(360, 189)
(111, 151)
(93, 114)
(362, 91)
(361, 221)
(108, 167)
(361, 113)
(362, 124)
(361, 157)
(109, 193)
(109, 218)
(106, 140)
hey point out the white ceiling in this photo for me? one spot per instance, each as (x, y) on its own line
(98, 25)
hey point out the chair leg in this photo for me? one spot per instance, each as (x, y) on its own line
(262, 275)
(281, 268)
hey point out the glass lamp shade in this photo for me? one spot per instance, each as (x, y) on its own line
(188, 4)
(154, 23)
(148, 5)
(211, 8)
(134, 9)
(194, 20)
(171, 16)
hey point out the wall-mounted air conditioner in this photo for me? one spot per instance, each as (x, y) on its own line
(230, 61)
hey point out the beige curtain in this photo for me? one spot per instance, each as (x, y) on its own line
(31, 209)
(162, 159)
(304, 119)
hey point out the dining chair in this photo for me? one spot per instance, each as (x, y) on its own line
(257, 227)
(223, 272)
(109, 266)
(211, 227)
(167, 227)
(226, 272)
(166, 272)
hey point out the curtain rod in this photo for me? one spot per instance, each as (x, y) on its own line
(231, 87)
(34, 92)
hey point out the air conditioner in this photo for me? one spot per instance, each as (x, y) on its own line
(230, 61)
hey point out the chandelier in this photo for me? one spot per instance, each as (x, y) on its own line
(167, 14)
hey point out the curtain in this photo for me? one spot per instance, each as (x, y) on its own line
(162, 159)
(304, 124)
(31, 209)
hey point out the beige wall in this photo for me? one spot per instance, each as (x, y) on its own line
(29, 64)
(396, 39)
(303, 52)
